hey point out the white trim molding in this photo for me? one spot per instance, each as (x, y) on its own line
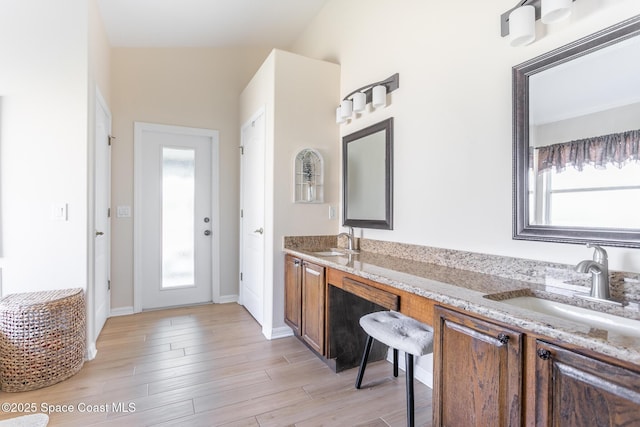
(225, 299)
(276, 333)
(121, 311)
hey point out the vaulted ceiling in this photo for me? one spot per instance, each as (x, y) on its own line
(216, 23)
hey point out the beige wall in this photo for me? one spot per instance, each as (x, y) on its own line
(452, 146)
(194, 87)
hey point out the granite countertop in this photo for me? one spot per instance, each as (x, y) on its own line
(482, 294)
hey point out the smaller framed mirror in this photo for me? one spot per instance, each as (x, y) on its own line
(367, 177)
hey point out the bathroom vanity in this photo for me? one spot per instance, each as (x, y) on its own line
(495, 363)
(514, 345)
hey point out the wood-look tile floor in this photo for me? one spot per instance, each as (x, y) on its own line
(210, 365)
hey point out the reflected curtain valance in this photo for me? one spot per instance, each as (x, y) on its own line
(598, 151)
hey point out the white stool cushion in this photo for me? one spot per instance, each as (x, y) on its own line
(32, 420)
(399, 331)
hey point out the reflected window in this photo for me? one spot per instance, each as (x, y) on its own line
(593, 197)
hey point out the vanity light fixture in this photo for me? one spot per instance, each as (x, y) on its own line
(522, 26)
(374, 93)
(379, 96)
(346, 108)
(519, 22)
(359, 102)
(555, 10)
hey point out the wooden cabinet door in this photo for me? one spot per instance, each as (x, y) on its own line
(313, 297)
(576, 390)
(477, 373)
(293, 293)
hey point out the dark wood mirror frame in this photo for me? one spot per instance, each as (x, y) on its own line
(522, 229)
(385, 223)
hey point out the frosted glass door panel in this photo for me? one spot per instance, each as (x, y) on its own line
(178, 214)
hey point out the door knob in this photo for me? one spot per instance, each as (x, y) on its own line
(207, 232)
(99, 233)
(259, 230)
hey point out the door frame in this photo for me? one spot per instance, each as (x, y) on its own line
(213, 135)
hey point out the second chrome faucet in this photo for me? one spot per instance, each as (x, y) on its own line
(351, 239)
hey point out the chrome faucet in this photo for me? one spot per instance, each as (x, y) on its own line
(350, 239)
(599, 269)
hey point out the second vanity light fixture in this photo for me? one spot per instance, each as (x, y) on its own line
(374, 93)
(519, 23)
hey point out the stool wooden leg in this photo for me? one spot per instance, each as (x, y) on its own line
(409, 378)
(363, 363)
(395, 362)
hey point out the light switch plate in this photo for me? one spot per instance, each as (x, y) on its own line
(59, 212)
(123, 211)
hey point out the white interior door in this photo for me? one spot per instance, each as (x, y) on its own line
(102, 196)
(174, 212)
(252, 227)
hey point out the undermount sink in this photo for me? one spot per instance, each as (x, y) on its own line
(329, 252)
(596, 319)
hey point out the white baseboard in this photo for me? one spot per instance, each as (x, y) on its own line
(121, 311)
(275, 333)
(124, 311)
(422, 373)
(92, 351)
(225, 299)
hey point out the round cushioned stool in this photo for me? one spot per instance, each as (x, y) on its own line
(400, 333)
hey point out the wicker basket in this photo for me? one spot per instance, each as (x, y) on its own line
(42, 338)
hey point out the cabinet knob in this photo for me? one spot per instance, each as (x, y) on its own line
(296, 262)
(503, 338)
(544, 354)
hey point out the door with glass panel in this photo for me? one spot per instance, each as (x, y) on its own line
(175, 217)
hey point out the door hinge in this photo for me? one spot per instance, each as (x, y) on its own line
(110, 138)
(241, 213)
(241, 150)
(108, 212)
(108, 285)
(241, 277)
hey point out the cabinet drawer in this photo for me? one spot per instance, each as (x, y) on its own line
(415, 306)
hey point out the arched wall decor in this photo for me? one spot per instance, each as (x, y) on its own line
(309, 177)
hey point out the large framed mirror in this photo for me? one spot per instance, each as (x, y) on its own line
(367, 177)
(576, 130)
